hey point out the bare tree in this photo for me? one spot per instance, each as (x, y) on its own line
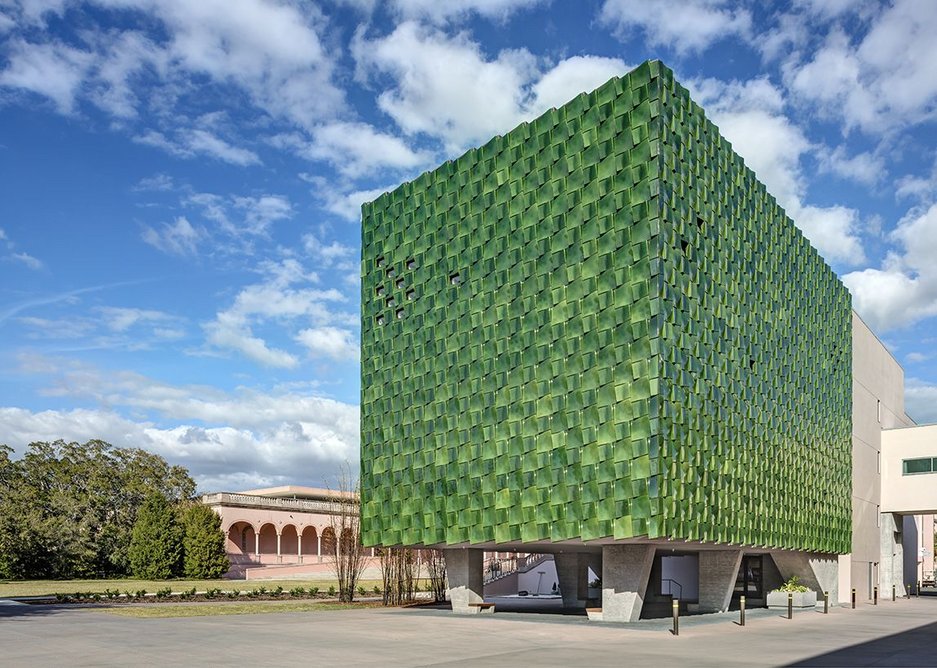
(436, 568)
(397, 570)
(345, 521)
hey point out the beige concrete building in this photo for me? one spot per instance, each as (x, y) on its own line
(893, 522)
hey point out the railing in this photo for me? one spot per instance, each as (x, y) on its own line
(251, 501)
(670, 585)
(495, 569)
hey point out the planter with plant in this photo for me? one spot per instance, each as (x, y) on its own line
(803, 597)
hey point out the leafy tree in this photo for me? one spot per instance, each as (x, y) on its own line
(68, 509)
(155, 550)
(203, 543)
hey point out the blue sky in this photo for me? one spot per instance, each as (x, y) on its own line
(181, 183)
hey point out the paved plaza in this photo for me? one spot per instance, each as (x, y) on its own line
(892, 634)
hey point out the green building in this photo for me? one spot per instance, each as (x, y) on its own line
(600, 336)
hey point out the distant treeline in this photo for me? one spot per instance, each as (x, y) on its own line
(70, 510)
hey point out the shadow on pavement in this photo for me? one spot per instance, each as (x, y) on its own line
(916, 647)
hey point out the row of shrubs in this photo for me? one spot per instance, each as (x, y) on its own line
(141, 595)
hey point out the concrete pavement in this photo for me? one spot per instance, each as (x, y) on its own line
(890, 634)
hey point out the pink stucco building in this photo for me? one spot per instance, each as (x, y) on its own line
(277, 526)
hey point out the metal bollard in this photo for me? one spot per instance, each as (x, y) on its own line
(908, 587)
(676, 616)
(853, 598)
(826, 603)
(875, 596)
(742, 611)
(790, 605)
(893, 593)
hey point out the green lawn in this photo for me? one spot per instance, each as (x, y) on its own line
(46, 587)
(239, 608)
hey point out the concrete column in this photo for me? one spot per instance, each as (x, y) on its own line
(567, 572)
(464, 568)
(279, 556)
(819, 572)
(626, 570)
(257, 544)
(718, 570)
(299, 546)
(319, 546)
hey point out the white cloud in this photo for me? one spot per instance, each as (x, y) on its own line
(683, 25)
(348, 205)
(281, 299)
(243, 438)
(879, 82)
(191, 143)
(27, 259)
(358, 149)
(865, 168)
(52, 70)
(904, 290)
(177, 238)
(750, 115)
(579, 74)
(157, 183)
(921, 401)
(205, 143)
(120, 319)
(327, 254)
(230, 332)
(339, 344)
(446, 87)
(921, 188)
(261, 212)
(917, 357)
(439, 12)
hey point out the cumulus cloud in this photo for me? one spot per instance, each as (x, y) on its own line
(878, 81)
(683, 25)
(904, 289)
(331, 342)
(240, 439)
(446, 87)
(52, 70)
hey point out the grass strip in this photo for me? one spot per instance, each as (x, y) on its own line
(156, 611)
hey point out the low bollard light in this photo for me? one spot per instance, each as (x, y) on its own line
(742, 611)
(790, 605)
(875, 596)
(853, 598)
(908, 587)
(676, 616)
(826, 603)
(893, 593)
(918, 594)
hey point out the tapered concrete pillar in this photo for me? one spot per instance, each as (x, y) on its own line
(568, 574)
(626, 570)
(819, 572)
(464, 570)
(718, 571)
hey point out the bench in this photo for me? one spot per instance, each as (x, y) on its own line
(483, 607)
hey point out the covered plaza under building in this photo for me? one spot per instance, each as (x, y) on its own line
(599, 337)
